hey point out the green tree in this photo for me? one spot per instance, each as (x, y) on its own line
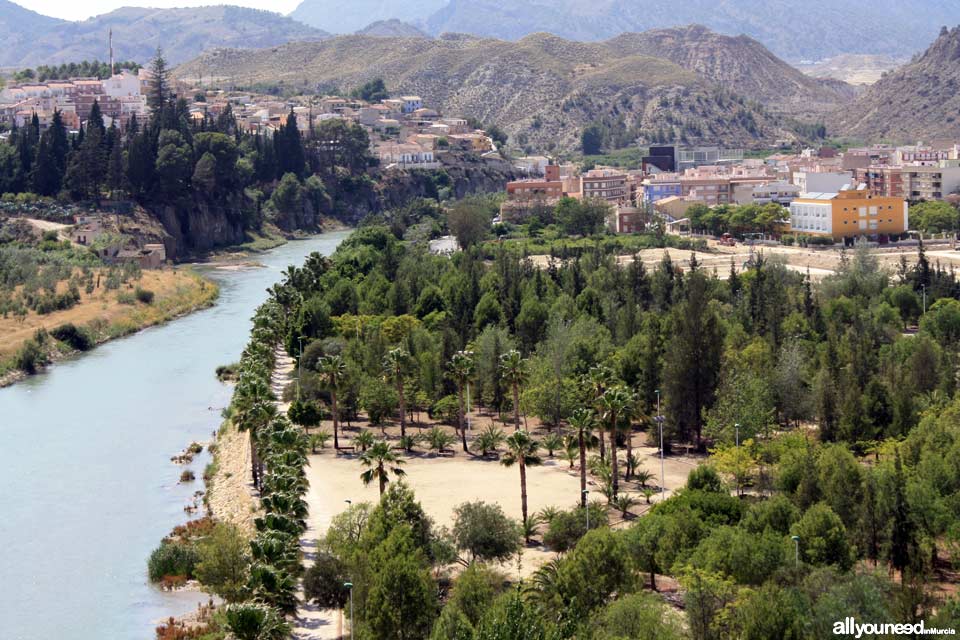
(462, 368)
(224, 563)
(823, 538)
(402, 601)
(522, 451)
(287, 198)
(381, 462)
(617, 403)
(323, 582)
(692, 360)
(396, 366)
(469, 221)
(591, 140)
(513, 370)
(333, 371)
(484, 532)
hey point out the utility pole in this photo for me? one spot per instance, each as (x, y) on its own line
(660, 422)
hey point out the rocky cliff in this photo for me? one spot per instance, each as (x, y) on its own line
(918, 101)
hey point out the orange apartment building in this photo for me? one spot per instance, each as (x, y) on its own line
(849, 214)
(525, 197)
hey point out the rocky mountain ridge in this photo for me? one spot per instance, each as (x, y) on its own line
(543, 90)
(918, 101)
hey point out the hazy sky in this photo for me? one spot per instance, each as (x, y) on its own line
(73, 10)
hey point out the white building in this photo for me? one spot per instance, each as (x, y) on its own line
(822, 181)
(411, 103)
(813, 217)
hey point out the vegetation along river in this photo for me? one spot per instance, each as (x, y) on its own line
(89, 487)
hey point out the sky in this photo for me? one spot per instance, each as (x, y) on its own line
(73, 10)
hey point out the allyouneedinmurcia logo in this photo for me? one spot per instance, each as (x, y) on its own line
(850, 627)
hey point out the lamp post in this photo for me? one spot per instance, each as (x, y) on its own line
(796, 549)
(586, 506)
(924, 288)
(659, 419)
(300, 339)
(737, 427)
(349, 585)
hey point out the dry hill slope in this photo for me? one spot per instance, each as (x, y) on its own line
(918, 101)
(541, 89)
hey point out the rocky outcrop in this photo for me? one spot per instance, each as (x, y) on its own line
(918, 101)
(202, 225)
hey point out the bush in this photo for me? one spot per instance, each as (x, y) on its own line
(704, 478)
(223, 564)
(143, 295)
(75, 337)
(446, 409)
(484, 532)
(565, 528)
(172, 559)
(30, 357)
(125, 297)
(187, 476)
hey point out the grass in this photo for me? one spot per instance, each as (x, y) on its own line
(620, 244)
(106, 316)
(258, 242)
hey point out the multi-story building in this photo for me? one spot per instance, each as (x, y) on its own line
(527, 197)
(931, 182)
(660, 186)
(848, 214)
(607, 185)
(881, 180)
(780, 192)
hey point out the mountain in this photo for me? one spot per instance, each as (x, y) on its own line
(542, 90)
(19, 27)
(348, 16)
(739, 63)
(137, 32)
(809, 30)
(918, 101)
(392, 28)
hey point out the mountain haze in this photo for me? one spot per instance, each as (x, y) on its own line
(808, 30)
(31, 39)
(918, 101)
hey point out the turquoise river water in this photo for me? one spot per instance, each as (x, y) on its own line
(88, 488)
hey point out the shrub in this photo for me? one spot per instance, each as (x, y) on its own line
(30, 357)
(187, 476)
(446, 409)
(172, 559)
(125, 297)
(75, 337)
(704, 478)
(484, 532)
(143, 295)
(223, 564)
(565, 528)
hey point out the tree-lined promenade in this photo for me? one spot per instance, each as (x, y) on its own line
(830, 488)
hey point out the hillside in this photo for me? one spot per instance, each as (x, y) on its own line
(19, 27)
(542, 90)
(856, 69)
(137, 32)
(739, 63)
(392, 28)
(918, 101)
(809, 30)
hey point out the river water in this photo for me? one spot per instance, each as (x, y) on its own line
(88, 488)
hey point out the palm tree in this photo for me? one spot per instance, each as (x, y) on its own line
(364, 440)
(396, 364)
(332, 372)
(582, 421)
(461, 368)
(514, 371)
(598, 379)
(489, 439)
(382, 462)
(522, 450)
(552, 442)
(616, 402)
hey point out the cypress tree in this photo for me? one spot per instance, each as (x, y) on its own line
(45, 177)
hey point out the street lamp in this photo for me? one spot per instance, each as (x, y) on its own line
(586, 506)
(737, 427)
(796, 549)
(659, 420)
(349, 585)
(300, 339)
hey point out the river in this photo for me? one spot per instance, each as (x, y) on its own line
(89, 489)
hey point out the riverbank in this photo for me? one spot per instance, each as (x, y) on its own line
(231, 497)
(28, 345)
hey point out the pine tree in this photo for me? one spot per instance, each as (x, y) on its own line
(902, 534)
(45, 177)
(159, 84)
(289, 147)
(59, 142)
